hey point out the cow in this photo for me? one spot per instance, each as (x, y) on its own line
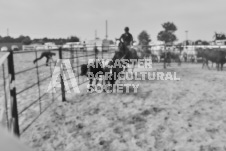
(106, 68)
(168, 56)
(93, 71)
(215, 55)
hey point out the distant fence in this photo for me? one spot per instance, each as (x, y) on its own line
(24, 97)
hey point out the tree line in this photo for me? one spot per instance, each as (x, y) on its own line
(167, 35)
(26, 40)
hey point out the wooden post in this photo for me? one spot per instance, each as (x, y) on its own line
(51, 74)
(61, 78)
(13, 99)
(77, 65)
(102, 47)
(38, 80)
(72, 56)
(164, 66)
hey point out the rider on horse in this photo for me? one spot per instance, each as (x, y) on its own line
(127, 40)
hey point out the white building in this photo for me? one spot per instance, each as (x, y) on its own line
(102, 45)
(74, 45)
(38, 46)
(50, 45)
(32, 47)
(219, 42)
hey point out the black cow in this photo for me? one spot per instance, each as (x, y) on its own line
(92, 71)
(168, 56)
(214, 55)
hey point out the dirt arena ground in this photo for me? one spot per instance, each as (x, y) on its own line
(184, 115)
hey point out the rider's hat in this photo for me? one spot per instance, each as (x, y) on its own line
(126, 28)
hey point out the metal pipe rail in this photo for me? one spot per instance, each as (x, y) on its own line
(9, 112)
(11, 82)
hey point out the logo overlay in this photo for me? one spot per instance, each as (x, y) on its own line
(106, 72)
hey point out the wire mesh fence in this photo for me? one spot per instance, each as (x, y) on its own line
(24, 95)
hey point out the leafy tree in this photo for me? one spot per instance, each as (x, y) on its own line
(111, 42)
(27, 40)
(201, 42)
(205, 43)
(7, 39)
(144, 38)
(73, 39)
(167, 35)
(20, 38)
(168, 26)
(198, 42)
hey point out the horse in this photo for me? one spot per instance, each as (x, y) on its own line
(122, 54)
(125, 53)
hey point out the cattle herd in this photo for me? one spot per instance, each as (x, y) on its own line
(215, 55)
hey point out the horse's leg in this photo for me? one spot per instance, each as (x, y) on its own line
(203, 63)
(126, 68)
(90, 84)
(134, 64)
(207, 64)
(178, 60)
(47, 61)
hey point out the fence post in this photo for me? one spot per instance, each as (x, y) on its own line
(51, 74)
(61, 78)
(14, 111)
(6, 96)
(164, 65)
(38, 80)
(102, 51)
(72, 56)
(77, 64)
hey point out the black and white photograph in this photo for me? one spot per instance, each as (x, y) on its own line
(112, 75)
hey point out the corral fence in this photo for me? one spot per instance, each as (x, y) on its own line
(24, 96)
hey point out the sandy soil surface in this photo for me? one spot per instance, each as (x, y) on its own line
(185, 115)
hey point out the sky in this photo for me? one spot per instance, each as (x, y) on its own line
(64, 18)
